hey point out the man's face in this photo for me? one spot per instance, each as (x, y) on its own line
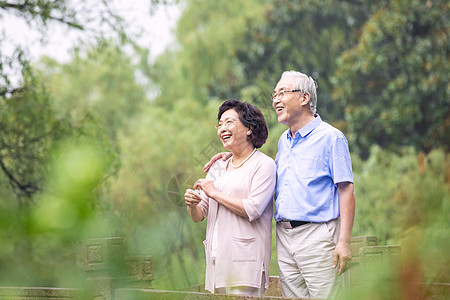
(288, 106)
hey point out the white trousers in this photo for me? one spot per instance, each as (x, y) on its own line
(305, 260)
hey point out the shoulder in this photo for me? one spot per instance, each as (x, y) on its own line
(265, 161)
(331, 132)
(217, 169)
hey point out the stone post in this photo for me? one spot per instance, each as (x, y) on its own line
(383, 263)
(357, 243)
(103, 261)
(139, 271)
(378, 254)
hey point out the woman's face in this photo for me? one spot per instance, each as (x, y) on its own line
(232, 133)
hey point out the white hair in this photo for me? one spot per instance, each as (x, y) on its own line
(305, 84)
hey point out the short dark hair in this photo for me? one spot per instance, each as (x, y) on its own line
(251, 117)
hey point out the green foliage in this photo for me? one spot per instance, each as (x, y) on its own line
(205, 65)
(305, 35)
(403, 199)
(43, 11)
(227, 48)
(42, 247)
(100, 80)
(175, 243)
(29, 129)
(54, 163)
(396, 78)
(383, 62)
(39, 15)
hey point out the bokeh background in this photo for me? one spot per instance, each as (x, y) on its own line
(104, 142)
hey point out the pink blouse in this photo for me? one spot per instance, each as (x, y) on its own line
(244, 244)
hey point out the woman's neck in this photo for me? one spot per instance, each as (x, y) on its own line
(235, 163)
(239, 156)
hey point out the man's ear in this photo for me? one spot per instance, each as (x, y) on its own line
(304, 98)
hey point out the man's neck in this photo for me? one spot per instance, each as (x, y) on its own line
(302, 122)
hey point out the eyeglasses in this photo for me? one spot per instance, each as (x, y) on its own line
(227, 123)
(280, 94)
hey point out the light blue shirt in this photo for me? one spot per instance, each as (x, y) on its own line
(308, 168)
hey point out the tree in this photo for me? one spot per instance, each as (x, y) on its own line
(26, 119)
(308, 36)
(56, 159)
(40, 14)
(100, 79)
(19, 87)
(394, 82)
(204, 66)
(30, 126)
(230, 49)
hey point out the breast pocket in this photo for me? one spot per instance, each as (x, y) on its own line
(243, 249)
(305, 167)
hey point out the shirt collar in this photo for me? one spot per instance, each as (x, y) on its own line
(308, 128)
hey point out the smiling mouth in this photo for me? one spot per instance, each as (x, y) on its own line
(226, 137)
(278, 109)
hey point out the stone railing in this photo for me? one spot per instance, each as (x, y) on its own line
(105, 259)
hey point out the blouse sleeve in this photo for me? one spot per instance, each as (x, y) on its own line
(214, 173)
(204, 204)
(262, 188)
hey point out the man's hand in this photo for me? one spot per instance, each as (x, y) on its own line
(342, 256)
(222, 155)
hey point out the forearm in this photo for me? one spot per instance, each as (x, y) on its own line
(195, 212)
(236, 205)
(346, 210)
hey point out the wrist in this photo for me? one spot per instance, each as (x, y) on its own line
(214, 194)
(344, 241)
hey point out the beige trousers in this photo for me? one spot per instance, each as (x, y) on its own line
(305, 260)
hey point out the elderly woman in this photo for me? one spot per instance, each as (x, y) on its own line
(236, 196)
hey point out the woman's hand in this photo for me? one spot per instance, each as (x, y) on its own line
(207, 186)
(236, 205)
(192, 198)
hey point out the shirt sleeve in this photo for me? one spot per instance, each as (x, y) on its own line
(262, 188)
(340, 161)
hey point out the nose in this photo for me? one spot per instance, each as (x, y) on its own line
(275, 101)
